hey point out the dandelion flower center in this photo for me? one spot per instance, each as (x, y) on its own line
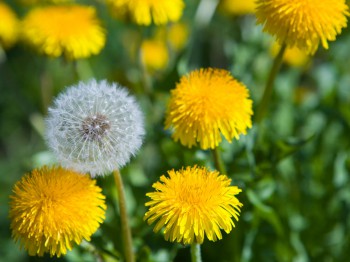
(95, 127)
(206, 104)
(192, 203)
(53, 208)
(303, 23)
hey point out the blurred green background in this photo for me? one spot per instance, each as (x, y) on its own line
(293, 167)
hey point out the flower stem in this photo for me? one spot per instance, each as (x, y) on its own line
(265, 101)
(126, 232)
(219, 163)
(196, 252)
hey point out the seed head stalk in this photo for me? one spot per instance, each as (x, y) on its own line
(125, 228)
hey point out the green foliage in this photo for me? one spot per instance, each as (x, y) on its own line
(293, 167)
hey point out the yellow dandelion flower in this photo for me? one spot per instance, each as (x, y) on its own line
(154, 55)
(303, 23)
(237, 7)
(71, 31)
(53, 208)
(178, 35)
(192, 203)
(143, 12)
(35, 2)
(293, 56)
(208, 103)
(8, 26)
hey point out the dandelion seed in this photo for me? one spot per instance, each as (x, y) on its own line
(53, 208)
(193, 203)
(94, 127)
(206, 104)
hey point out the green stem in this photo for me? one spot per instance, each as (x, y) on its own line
(219, 163)
(126, 232)
(265, 101)
(196, 252)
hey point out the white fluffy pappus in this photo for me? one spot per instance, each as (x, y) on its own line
(94, 127)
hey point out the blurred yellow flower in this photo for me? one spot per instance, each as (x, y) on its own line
(9, 26)
(205, 104)
(178, 35)
(154, 55)
(237, 7)
(143, 12)
(72, 31)
(53, 208)
(192, 203)
(303, 23)
(35, 2)
(293, 56)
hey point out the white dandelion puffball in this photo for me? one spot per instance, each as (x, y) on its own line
(94, 127)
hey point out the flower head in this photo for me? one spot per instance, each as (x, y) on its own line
(72, 31)
(53, 208)
(154, 54)
(303, 23)
(8, 26)
(192, 203)
(94, 127)
(143, 12)
(206, 104)
(178, 35)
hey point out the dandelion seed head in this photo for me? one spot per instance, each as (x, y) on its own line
(94, 127)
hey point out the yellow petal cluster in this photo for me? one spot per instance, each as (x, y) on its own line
(72, 31)
(205, 104)
(154, 54)
(9, 26)
(144, 12)
(303, 23)
(193, 203)
(53, 208)
(177, 35)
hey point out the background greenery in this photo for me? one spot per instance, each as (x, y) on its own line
(293, 167)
